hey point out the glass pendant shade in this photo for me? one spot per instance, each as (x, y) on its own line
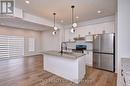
(54, 32)
(55, 28)
(75, 25)
(72, 30)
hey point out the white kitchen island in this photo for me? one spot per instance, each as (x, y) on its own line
(70, 66)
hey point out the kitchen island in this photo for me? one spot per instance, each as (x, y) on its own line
(68, 65)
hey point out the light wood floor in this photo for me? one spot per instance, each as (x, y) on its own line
(28, 71)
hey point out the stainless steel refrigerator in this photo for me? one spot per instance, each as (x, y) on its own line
(104, 52)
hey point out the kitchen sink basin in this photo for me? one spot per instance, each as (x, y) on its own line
(66, 52)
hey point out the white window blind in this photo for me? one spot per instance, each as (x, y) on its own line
(11, 46)
(4, 47)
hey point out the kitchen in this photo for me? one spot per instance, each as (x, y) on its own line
(85, 45)
(70, 44)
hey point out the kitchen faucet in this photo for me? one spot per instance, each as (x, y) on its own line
(63, 46)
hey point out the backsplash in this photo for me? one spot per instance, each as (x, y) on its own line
(73, 45)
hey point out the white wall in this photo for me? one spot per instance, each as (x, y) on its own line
(27, 34)
(124, 28)
(123, 31)
(49, 41)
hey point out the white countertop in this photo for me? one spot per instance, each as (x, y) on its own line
(125, 63)
(70, 55)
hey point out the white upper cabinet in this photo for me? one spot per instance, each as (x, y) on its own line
(89, 38)
(107, 27)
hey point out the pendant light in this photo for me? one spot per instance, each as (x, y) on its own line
(72, 30)
(55, 28)
(74, 24)
(54, 33)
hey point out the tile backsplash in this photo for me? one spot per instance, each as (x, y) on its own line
(73, 45)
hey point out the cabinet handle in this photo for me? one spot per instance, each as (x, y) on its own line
(124, 81)
(122, 72)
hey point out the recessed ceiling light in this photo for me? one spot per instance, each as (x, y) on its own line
(99, 12)
(27, 2)
(77, 17)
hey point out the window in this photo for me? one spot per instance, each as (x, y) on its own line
(11, 46)
(7, 7)
(31, 44)
(4, 47)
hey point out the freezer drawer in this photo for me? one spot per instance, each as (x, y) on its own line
(103, 61)
(106, 62)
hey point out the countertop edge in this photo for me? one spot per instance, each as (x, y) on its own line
(55, 53)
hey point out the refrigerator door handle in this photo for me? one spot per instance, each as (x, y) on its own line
(104, 53)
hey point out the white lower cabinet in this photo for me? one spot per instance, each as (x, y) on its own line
(89, 58)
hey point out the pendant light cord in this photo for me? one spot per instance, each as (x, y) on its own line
(72, 14)
(54, 18)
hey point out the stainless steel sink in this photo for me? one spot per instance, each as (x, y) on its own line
(66, 52)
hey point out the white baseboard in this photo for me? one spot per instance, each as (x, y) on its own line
(33, 54)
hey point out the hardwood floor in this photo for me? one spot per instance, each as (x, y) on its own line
(28, 71)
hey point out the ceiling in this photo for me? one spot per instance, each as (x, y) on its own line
(84, 9)
(18, 23)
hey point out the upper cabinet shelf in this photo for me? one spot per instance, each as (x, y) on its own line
(79, 38)
(89, 38)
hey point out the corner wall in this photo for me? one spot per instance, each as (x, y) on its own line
(123, 34)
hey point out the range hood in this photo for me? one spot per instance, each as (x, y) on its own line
(79, 38)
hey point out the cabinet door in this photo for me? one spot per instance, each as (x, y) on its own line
(89, 38)
(96, 60)
(81, 32)
(89, 58)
